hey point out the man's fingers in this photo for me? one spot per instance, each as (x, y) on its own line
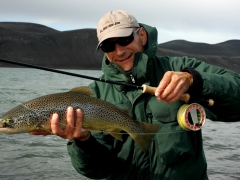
(172, 86)
(55, 124)
(163, 85)
(73, 128)
(70, 121)
(78, 124)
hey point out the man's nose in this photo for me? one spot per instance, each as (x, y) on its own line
(119, 49)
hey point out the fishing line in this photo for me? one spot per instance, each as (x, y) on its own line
(182, 114)
(181, 119)
(20, 103)
(109, 132)
(11, 97)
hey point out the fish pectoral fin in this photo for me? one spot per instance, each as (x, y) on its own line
(115, 133)
(42, 128)
(144, 138)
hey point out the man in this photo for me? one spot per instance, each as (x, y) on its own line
(130, 57)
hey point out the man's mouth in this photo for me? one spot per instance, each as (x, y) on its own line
(125, 59)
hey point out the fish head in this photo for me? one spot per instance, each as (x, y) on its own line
(8, 125)
(18, 120)
(5, 123)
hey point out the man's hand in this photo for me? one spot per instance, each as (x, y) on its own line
(173, 85)
(73, 129)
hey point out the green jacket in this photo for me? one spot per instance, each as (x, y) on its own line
(174, 153)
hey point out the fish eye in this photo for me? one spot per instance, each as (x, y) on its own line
(10, 120)
(4, 123)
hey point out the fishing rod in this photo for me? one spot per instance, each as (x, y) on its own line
(145, 89)
(67, 73)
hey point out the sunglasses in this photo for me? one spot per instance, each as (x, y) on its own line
(109, 46)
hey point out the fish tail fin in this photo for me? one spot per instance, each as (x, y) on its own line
(144, 138)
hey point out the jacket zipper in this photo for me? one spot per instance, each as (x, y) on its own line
(132, 78)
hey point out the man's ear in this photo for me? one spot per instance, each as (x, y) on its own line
(143, 36)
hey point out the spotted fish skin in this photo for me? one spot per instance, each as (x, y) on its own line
(98, 115)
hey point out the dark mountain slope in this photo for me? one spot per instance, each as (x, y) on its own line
(40, 45)
(76, 49)
(228, 48)
(225, 54)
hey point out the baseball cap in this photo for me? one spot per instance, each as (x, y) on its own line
(117, 23)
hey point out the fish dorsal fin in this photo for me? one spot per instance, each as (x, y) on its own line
(84, 90)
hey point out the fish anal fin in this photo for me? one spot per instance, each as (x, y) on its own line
(42, 128)
(84, 90)
(115, 133)
(144, 139)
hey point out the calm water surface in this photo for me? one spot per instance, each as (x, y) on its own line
(24, 156)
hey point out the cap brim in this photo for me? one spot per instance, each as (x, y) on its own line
(116, 33)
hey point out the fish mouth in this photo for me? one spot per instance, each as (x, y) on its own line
(3, 123)
(2, 126)
(5, 130)
(8, 131)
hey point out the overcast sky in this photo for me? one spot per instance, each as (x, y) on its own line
(208, 21)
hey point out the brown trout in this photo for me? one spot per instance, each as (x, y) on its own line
(98, 115)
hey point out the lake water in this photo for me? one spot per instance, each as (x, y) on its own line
(24, 156)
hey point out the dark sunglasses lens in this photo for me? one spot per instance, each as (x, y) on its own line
(124, 41)
(107, 47)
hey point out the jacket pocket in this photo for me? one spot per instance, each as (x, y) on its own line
(174, 144)
(163, 112)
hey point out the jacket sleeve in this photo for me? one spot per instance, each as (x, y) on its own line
(92, 158)
(219, 84)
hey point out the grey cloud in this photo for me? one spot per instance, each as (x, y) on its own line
(183, 17)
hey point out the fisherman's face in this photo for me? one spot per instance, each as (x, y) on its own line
(123, 56)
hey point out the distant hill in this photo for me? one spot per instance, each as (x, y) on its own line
(40, 45)
(76, 49)
(225, 54)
